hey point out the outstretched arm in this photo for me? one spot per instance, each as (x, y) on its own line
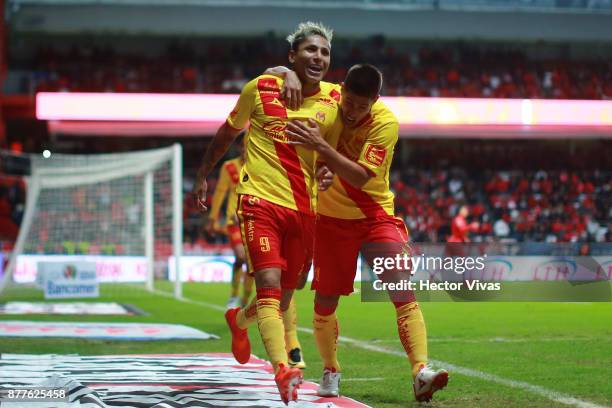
(236, 121)
(216, 149)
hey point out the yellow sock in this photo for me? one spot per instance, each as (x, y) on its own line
(236, 276)
(326, 336)
(413, 335)
(271, 329)
(247, 288)
(247, 315)
(290, 323)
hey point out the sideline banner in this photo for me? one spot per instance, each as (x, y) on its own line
(61, 280)
(68, 308)
(108, 268)
(107, 331)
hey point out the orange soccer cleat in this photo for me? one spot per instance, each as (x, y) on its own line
(241, 346)
(288, 380)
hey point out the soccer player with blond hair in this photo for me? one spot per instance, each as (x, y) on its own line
(277, 192)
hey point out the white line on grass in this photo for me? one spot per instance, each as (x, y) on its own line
(496, 340)
(190, 301)
(536, 389)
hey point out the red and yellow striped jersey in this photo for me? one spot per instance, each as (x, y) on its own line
(229, 176)
(371, 145)
(275, 170)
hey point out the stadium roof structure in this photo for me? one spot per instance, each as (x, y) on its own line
(464, 5)
(201, 114)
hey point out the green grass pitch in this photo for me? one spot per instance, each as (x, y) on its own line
(564, 347)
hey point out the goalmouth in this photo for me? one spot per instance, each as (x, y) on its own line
(122, 211)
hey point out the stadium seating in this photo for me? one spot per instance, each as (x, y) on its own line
(455, 70)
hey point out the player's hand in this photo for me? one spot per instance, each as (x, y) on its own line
(199, 193)
(306, 135)
(291, 92)
(325, 177)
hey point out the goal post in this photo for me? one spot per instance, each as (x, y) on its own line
(120, 210)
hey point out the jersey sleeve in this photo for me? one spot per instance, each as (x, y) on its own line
(221, 191)
(378, 149)
(240, 115)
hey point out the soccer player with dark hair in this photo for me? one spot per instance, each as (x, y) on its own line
(358, 208)
(277, 192)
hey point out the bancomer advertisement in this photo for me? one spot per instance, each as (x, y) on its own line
(62, 280)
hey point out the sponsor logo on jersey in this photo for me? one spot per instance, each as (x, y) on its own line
(275, 129)
(326, 101)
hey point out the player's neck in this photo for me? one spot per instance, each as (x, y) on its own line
(310, 89)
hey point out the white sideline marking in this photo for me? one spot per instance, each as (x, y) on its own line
(536, 389)
(190, 301)
(494, 340)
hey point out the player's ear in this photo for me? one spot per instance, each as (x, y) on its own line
(291, 56)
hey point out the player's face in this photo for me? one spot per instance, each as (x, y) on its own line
(311, 60)
(354, 107)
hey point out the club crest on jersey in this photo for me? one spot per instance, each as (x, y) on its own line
(320, 116)
(375, 154)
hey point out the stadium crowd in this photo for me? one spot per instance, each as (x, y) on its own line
(518, 206)
(510, 206)
(217, 66)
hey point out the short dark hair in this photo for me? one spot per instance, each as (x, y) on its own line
(364, 80)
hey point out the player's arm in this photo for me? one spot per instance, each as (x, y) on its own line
(218, 197)
(309, 136)
(291, 92)
(222, 140)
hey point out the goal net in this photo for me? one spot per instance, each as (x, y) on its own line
(121, 211)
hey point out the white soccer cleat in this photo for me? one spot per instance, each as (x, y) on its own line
(427, 382)
(233, 302)
(330, 384)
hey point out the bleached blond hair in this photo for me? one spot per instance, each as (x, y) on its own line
(305, 30)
